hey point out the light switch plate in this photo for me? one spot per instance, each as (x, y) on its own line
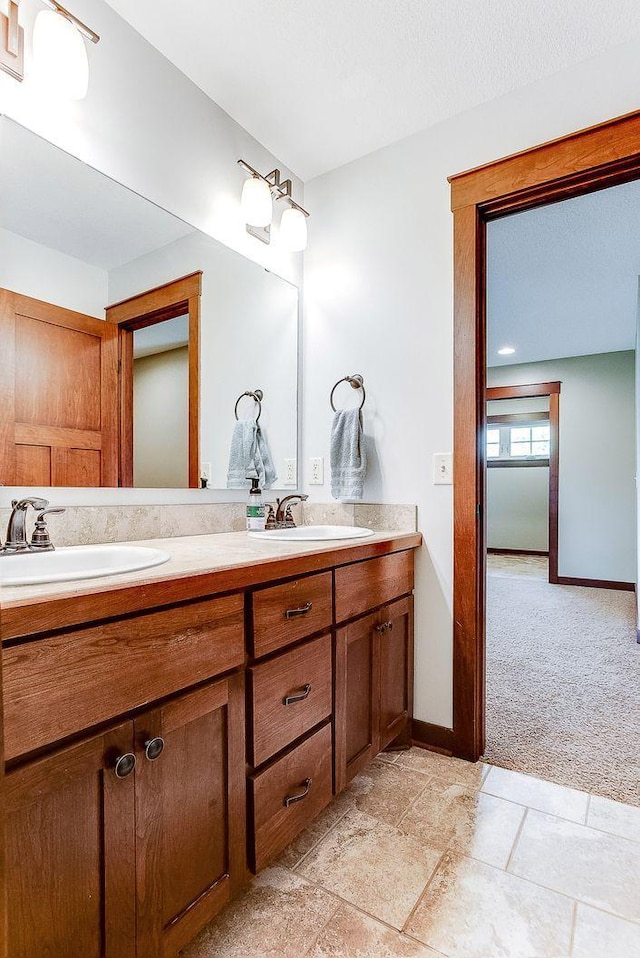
(316, 471)
(290, 472)
(443, 469)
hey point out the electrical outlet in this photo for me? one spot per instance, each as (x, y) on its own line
(290, 472)
(316, 473)
(205, 471)
(443, 469)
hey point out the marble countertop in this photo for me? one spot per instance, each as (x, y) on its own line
(204, 556)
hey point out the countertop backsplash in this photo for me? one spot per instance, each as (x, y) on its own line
(87, 525)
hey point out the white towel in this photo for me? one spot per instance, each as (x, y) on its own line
(348, 456)
(249, 457)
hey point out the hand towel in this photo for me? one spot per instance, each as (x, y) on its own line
(348, 456)
(249, 457)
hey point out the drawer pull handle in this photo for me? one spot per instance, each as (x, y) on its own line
(154, 748)
(299, 696)
(292, 799)
(292, 613)
(385, 627)
(124, 765)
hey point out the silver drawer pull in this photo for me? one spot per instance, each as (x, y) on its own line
(299, 696)
(291, 613)
(292, 799)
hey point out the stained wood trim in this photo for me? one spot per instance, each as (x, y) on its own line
(522, 392)
(518, 417)
(517, 552)
(158, 298)
(515, 463)
(56, 315)
(596, 583)
(609, 149)
(147, 309)
(571, 166)
(438, 737)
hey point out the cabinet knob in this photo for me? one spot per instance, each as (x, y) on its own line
(298, 696)
(385, 627)
(292, 799)
(124, 765)
(292, 613)
(153, 748)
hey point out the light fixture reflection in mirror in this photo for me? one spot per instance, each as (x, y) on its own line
(60, 58)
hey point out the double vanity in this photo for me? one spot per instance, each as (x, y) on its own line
(169, 731)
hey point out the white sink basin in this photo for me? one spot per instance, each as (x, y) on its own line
(314, 533)
(77, 562)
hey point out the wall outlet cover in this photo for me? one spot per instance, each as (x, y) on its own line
(316, 471)
(443, 469)
(290, 472)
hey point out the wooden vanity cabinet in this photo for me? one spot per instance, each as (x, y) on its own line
(373, 662)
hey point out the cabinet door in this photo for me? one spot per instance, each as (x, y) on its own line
(190, 814)
(394, 636)
(70, 846)
(357, 697)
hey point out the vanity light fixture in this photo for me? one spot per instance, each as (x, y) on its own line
(258, 193)
(59, 50)
(506, 351)
(12, 43)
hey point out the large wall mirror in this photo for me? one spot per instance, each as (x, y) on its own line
(131, 344)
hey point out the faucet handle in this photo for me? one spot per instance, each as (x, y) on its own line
(40, 540)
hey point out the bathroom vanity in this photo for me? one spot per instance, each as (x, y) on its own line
(169, 731)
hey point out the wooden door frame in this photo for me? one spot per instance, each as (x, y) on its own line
(153, 306)
(552, 390)
(592, 159)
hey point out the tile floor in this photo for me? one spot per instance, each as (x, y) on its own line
(431, 857)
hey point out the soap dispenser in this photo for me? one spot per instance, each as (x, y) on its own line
(255, 508)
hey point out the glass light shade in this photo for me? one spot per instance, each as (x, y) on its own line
(256, 204)
(60, 55)
(293, 230)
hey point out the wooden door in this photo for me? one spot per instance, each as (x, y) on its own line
(357, 697)
(70, 845)
(58, 396)
(394, 636)
(190, 814)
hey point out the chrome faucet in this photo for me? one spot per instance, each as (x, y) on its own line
(283, 518)
(17, 541)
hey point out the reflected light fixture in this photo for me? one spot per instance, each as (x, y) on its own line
(60, 52)
(12, 43)
(506, 351)
(256, 204)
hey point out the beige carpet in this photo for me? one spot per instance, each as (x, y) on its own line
(563, 682)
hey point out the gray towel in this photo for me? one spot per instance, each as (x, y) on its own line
(249, 457)
(348, 456)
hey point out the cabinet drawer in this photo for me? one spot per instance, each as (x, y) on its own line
(289, 694)
(286, 613)
(303, 775)
(72, 681)
(366, 585)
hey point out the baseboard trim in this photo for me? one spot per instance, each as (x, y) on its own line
(517, 552)
(594, 583)
(435, 737)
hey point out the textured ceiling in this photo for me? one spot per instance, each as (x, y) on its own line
(322, 83)
(563, 279)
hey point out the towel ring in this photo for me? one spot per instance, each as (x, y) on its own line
(356, 382)
(257, 395)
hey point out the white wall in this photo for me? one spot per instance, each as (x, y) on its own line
(378, 289)
(35, 270)
(597, 497)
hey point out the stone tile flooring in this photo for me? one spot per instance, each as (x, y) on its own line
(431, 857)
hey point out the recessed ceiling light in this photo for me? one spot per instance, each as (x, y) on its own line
(506, 351)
